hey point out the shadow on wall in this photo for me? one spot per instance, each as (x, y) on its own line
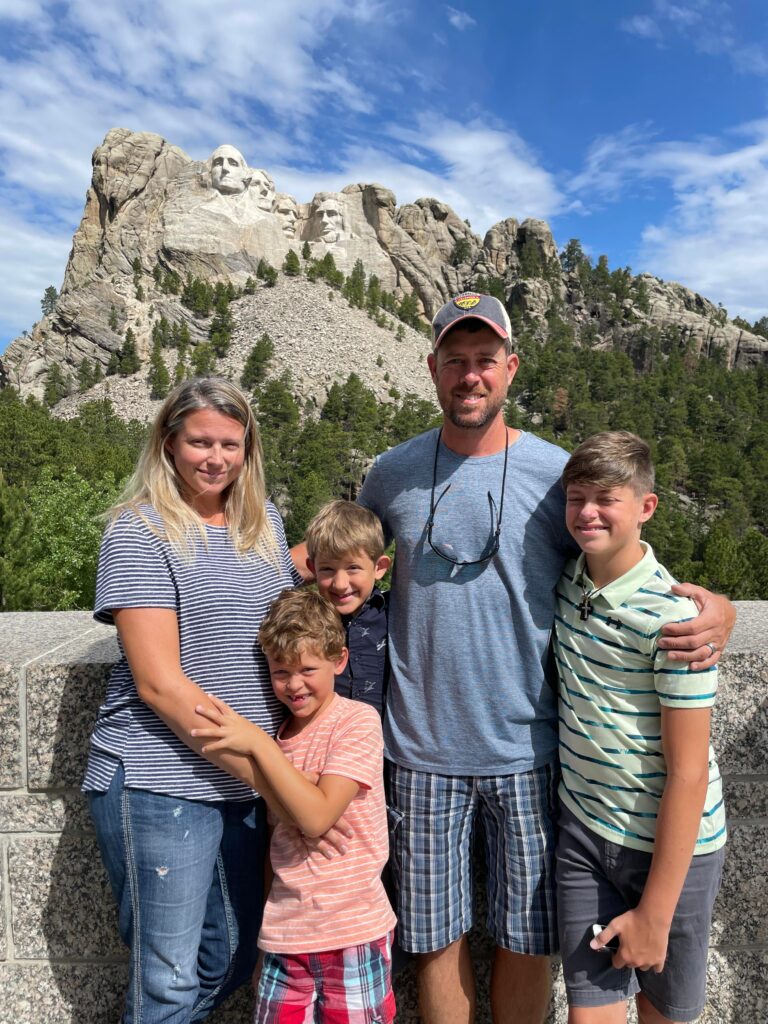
(78, 918)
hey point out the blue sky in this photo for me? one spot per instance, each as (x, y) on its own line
(640, 128)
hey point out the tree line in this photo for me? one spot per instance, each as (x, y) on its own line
(707, 426)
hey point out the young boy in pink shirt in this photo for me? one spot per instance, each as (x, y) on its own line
(328, 924)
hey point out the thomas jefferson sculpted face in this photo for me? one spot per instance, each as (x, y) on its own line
(286, 209)
(263, 188)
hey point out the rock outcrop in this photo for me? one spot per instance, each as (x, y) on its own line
(152, 210)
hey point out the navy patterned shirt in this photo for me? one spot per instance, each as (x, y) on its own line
(366, 674)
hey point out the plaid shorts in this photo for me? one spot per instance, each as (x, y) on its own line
(340, 986)
(432, 818)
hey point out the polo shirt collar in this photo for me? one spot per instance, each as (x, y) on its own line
(616, 593)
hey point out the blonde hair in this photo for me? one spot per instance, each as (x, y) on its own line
(341, 527)
(298, 619)
(156, 482)
(614, 458)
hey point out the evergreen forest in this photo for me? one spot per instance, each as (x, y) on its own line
(707, 426)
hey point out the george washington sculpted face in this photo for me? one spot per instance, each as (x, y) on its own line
(229, 171)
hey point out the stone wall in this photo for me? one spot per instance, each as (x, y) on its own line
(61, 960)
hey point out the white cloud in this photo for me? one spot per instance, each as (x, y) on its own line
(713, 238)
(484, 173)
(460, 19)
(32, 256)
(641, 25)
(707, 25)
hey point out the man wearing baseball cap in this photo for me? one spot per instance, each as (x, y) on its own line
(477, 513)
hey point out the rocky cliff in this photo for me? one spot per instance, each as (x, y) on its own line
(151, 210)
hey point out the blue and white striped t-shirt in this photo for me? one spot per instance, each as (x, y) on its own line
(220, 599)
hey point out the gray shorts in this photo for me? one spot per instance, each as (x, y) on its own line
(598, 880)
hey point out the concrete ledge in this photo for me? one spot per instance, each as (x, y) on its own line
(61, 960)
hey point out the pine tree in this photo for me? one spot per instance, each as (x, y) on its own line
(181, 370)
(408, 310)
(86, 375)
(129, 356)
(306, 251)
(158, 376)
(49, 299)
(203, 359)
(462, 252)
(113, 366)
(266, 273)
(572, 256)
(57, 386)
(255, 367)
(373, 295)
(291, 265)
(113, 324)
(354, 286)
(222, 325)
(530, 259)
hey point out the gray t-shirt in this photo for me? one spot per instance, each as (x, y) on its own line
(469, 691)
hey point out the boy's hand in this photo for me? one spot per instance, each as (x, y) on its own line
(690, 641)
(642, 943)
(228, 730)
(333, 842)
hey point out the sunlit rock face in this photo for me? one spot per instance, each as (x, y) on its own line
(150, 205)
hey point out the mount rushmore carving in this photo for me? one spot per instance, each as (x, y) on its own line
(150, 204)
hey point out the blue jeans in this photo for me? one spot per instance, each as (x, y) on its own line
(188, 880)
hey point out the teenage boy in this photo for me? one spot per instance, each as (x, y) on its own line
(642, 825)
(345, 553)
(327, 923)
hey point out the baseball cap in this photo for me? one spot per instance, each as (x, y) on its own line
(471, 306)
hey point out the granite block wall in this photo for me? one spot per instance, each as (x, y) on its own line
(61, 960)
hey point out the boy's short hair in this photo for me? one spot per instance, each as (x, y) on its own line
(299, 619)
(343, 526)
(614, 458)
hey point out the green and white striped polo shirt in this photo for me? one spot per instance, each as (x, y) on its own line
(613, 681)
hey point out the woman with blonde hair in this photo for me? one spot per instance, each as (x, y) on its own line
(189, 564)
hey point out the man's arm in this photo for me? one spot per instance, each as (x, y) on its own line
(313, 808)
(687, 641)
(299, 556)
(644, 932)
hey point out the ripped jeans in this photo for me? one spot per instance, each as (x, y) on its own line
(188, 878)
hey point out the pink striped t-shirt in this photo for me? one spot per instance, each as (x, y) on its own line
(317, 904)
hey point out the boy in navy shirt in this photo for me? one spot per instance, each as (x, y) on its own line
(345, 551)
